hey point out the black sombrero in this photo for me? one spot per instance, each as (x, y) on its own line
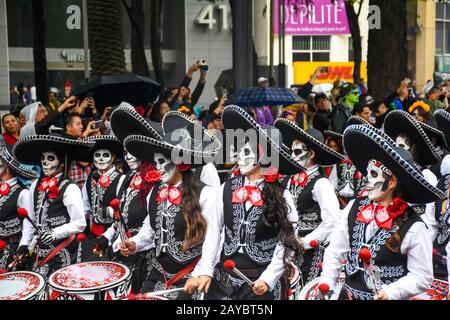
(432, 131)
(145, 148)
(126, 121)
(173, 121)
(363, 144)
(399, 121)
(442, 118)
(235, 118)
(332, 134)
(107, 142)
(29, 150)
(356, 120)
(313, 138)
(7, 158)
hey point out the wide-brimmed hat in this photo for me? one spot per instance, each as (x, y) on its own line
(433, 132)
(6, 155)
(363, 144)
(107, 142)
(125, 121)
(313, 138)
(145, 148)
(333, 134)
(442, 118)
(29, 150)
(399, 121)
(200, 139)
(235, 118)
(356, 120)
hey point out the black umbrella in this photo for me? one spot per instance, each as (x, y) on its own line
(112, 90)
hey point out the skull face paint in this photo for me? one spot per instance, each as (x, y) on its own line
(166, 168)
(50, 163)
(133, 162)
(300, 152)
(247, 159)
(403, 142)
(377, 180)
(102, 159)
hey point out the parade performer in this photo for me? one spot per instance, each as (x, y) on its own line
(408, 134)
(13, 195)
(256, 216)
(385, 243)
(180, 208)
(102, 185)
(313, 193)
(57, 205)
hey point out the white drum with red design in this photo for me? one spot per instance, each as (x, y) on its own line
(98, 280)
(22, 285)
(438, 291)
(311, 289)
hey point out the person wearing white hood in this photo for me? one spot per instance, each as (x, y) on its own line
(39, 119)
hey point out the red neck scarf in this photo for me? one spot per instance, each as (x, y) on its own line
(251, 193)
(384, 216)
(171, 193)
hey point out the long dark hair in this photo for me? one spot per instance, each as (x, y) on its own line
(192, 211)
(393, 243)
(275, 215)
(145, 185)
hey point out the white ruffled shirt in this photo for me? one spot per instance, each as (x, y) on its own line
(416, 244)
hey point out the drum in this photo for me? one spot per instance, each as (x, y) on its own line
(438, 291)
(97, 280)
(22, 285)
(311, 290)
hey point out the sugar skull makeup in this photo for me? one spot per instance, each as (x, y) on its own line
(50, 163)
(133, 162)
(403, 142)
(247, 159)
(377, 179)
(300, 152)
(102, 159)
(166, 168)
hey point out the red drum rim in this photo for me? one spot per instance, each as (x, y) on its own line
(34, 282)
(59, 280)
(310, 286)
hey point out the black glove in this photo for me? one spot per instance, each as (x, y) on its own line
(102, 243)
(23, 251)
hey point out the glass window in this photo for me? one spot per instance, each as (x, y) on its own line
(440, 10)
(321, 56)
(298, 56)
(321, 43)
(447, 37)
(439, 37)
(301, 43)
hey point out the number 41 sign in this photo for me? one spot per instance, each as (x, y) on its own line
(208, 12)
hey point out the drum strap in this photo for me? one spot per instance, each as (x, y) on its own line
(180, 274)
(55, 251)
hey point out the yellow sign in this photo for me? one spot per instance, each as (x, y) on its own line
(336, 71)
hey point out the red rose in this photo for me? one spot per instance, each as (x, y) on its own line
(270, 178)
(97, 229)
(152, 176)
(104, 181)
(358, 175)
(397, 208)
(53, 192)
(183, 167)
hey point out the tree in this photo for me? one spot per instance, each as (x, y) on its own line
(156, 21)
(39, 56)
(387, 52)
(105, 37)
(139, 64)
(353, 22)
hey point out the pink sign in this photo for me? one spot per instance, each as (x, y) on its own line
(322, 17)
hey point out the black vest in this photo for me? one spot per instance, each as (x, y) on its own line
(99, 197)
(51, 213)
(442, 215)
(308, 209)
(170, 228)
(132, 208)
(347, 173)
(245, 229)
(10, 222)
(393, 266)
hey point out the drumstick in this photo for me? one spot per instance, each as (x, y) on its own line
(324, 290)
(82, 237)
(133, 296)
(365, 256)
(115, 204)
(231, 267)
(24, 214)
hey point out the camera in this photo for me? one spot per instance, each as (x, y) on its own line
(96, 124)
